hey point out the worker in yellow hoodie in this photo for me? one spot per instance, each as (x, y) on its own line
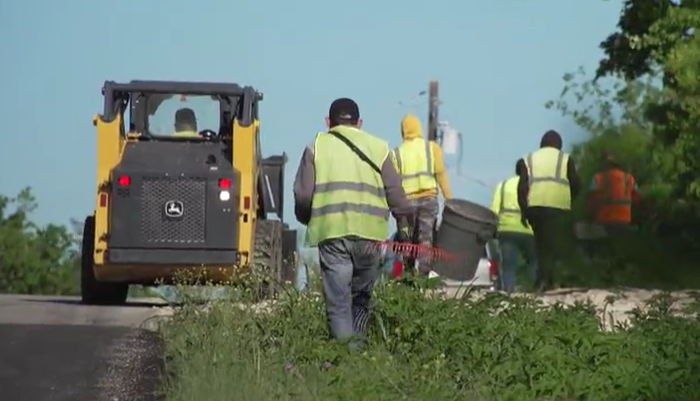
(422, 169)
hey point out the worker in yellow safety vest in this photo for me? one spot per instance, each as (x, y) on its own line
(547, 183)
(185, 123)
(422, 169)
(516, 241)
(345, 188)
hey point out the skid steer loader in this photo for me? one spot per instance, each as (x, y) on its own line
(182, 185)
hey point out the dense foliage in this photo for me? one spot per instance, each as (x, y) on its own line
(35, 259)
(656, 43)
(643, 104)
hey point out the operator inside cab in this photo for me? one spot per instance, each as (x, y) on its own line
(185, 123)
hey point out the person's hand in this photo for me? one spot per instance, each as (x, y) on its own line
(523, 221)
(403, 234)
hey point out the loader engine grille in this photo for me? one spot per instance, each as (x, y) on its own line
(157, 227)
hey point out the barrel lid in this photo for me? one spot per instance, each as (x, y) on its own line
(472, 211)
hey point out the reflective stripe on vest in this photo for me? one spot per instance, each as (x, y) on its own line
(349, 197)
(549, 186)
(508, 210)
(346, 206)
(503, 209)
(415, 163)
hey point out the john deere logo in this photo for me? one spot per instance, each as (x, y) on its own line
(174, 209)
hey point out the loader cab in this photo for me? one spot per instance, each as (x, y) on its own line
(183, 199)
(149, 109)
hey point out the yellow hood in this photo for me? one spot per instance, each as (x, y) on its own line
(411, 128)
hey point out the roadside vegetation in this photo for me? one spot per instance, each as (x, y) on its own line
(641, 104)
(430, 348)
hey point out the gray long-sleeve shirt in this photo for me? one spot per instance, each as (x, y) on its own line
(305, 182)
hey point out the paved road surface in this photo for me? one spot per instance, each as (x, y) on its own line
(54, 349)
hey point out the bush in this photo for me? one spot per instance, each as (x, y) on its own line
(426, 347)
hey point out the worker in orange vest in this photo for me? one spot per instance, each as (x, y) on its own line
(611, 196)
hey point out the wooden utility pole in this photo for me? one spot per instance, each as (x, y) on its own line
(433, 105)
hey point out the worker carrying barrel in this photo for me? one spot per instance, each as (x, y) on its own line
(422, 169)
(344, 190)
(516, 240)
(612, 193)
(547, 183)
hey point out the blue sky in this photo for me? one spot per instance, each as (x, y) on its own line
(497, 63)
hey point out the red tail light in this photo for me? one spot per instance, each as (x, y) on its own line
(124, 180)
(493, 270)
(224, 183)
(397, 269)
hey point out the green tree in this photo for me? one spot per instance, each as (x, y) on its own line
(35, 259)
(658, 39)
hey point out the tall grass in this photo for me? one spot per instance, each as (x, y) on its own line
(426, 347)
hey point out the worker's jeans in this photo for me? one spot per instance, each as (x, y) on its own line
(426, 209)
(514, 247)
(349, 267)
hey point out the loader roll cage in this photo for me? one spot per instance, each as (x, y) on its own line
(142, 99)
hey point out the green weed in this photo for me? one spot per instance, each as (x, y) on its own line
(427, 347)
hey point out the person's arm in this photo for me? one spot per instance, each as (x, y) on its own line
(395, 195)
(304, 184)
(441, 172)
(636, 195)
(523, 185)
(574, 180)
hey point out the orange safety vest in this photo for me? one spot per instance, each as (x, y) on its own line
(613, 199)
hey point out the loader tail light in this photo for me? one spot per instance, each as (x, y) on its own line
(224, 183)
(493, 270)
(124, 180)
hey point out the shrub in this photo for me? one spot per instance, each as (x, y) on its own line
(426, 347)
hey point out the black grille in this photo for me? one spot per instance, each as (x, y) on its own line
(157, 227)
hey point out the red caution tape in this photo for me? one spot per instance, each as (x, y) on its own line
(418, 251)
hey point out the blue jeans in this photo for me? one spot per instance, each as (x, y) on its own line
(349, 268)
(515, 245)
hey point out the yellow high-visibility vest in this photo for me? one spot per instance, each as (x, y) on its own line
(415, 163)
(549, 185)
(181, 134)
(505, 205)
(349, 197)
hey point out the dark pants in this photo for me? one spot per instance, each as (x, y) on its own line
(553, 241)
(427, 209)
(612, 246)
(514, 247)
(349, 267)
